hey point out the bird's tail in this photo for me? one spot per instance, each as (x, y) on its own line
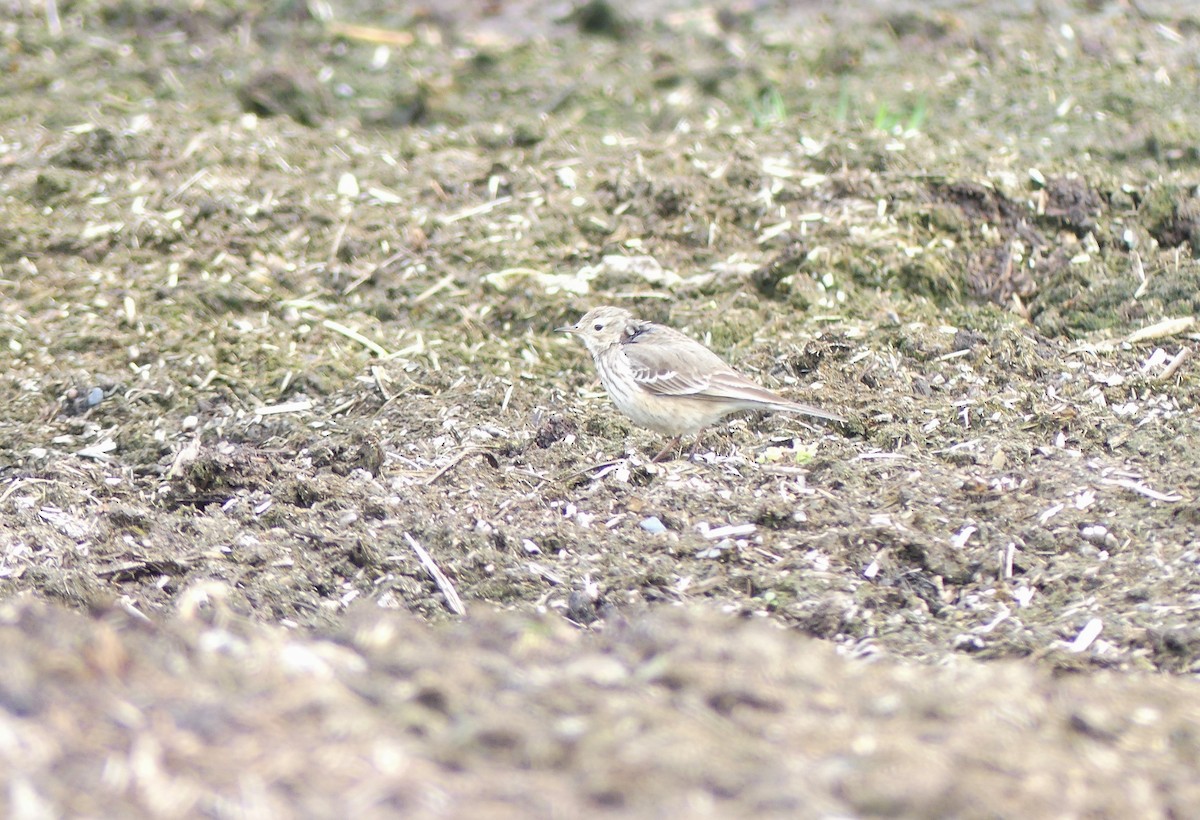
(809, 410)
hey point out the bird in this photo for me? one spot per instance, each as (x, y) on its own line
(668, 382)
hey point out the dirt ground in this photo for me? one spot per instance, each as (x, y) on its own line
(305, 510)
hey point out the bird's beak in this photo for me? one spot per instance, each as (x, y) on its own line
(566, 329)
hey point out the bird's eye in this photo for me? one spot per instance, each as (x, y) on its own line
(598, 327)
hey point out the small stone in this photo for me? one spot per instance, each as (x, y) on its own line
(347, 186)
(653, 525)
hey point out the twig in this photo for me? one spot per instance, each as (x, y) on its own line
(1143, 281)
(545, 573)
(1087, 636)
(1182, 356)
(379, 375)
(53, 23)
(337, 240)
(371, 34)
(728, 531)
(299, 406)
(19, 482)
(453, 602)
(443, 283)
(366, 277)
(603, 465)
(475, 210)
(450, 465)
(1162, 329)
(1142, 489)
(99, 451)
(354, 335)
(187, 183)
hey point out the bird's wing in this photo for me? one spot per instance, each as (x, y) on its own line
(666, 362)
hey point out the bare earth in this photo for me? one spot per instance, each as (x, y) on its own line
(281, 400)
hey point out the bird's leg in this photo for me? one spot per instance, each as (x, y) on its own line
(671, 445)
(696, 445)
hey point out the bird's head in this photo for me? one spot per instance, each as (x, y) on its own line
(601, 327)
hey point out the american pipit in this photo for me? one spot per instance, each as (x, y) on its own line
(667, 381)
